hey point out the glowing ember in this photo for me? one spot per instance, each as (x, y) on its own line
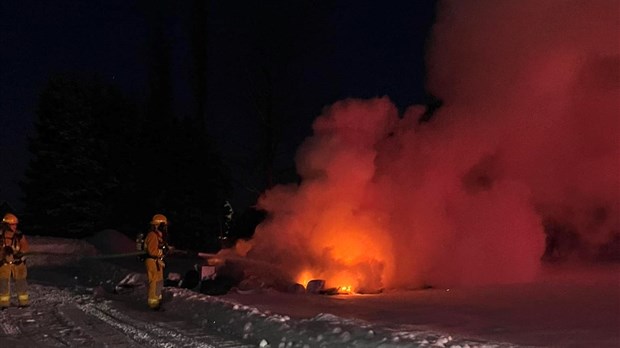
(345, 289)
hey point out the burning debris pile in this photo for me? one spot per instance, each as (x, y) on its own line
(521, 162)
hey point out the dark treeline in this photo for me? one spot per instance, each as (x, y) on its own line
(102, 160)
(106, 158)
(98, 162)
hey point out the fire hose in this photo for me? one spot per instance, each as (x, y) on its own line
(172, 253)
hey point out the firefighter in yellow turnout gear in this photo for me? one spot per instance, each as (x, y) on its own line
(156, 248)
(12, 262)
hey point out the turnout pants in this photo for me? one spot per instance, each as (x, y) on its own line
(155, 274)
(19, 274)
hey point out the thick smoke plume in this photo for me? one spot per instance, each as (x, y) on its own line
(521, 162)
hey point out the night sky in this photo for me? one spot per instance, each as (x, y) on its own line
(316, 53)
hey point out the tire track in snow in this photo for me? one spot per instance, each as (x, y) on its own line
(6, 326)
(91, 329)
(153, 335)
(61, 318)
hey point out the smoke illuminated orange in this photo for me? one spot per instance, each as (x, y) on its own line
(386, 200)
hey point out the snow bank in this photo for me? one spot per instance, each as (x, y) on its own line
(47, 251)
(324, 330)
(53, 245)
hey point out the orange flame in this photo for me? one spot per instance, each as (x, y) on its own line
(350, 253)
(304, 278)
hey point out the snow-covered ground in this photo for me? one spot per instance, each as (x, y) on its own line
(74, 304)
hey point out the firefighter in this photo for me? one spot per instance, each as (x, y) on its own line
(12, 262)
(156, 248)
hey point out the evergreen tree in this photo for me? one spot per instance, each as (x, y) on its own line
(198, 189)
(71, 178)
(181, 173)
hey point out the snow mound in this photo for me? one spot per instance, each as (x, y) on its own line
(112, 242)
(54, 245)
(49, 251)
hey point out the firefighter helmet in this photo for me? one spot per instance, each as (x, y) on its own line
(10, 219)
(158, 219)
